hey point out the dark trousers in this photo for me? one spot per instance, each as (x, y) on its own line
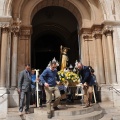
(32, 97)
(22, 98)
(40, 96)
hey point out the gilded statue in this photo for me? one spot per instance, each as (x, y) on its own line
(64, 57)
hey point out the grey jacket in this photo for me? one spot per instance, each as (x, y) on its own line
(25, 81)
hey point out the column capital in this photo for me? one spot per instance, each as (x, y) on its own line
(87, 37)
(15, 27)
(97, 31)
(25, 32)
(5, 29)
(86, 31)
(5, 26)
(108, 30)
(97, 34)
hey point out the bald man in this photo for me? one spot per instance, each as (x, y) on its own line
(86, 81)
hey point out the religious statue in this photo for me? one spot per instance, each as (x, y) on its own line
(64, 57)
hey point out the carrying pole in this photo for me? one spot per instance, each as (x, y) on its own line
(94, 94)
(37, 74)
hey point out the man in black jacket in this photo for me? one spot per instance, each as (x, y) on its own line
(87, 82)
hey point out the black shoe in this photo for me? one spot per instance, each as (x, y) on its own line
(49, 116)
(56, 108)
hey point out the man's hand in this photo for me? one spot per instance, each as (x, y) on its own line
(37, 80)
(46, 85)
(58, 82)
(85, 84)
(19, 90)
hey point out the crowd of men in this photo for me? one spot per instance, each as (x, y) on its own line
(49, 80)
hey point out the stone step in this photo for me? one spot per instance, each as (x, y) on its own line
(96, 115)
(76, 110)
(35, 117)
(116, 117)
(13, 113)
(16, 109)
(70, 110)
(106, 117)
(13, 117)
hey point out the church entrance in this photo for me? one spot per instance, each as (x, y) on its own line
(53, 26)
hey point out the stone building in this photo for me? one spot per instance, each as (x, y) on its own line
(31, 31)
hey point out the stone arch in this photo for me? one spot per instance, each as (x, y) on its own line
(7, 7)
(96, 11)
(66, 4)
(85, 12)
(89, 11)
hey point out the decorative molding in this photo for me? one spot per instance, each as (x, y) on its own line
(108, 30)
(5, 30)
(15, 27)
(25, 32)
(4, 24)
(98, 36)
(94, 31)
(86, 31)
(97, 31)
(87, 37)
(87, 34)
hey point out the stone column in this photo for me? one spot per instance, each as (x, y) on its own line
(13, 96)
(15, 30)
(85, 35)
(8, 70)
(100, 63)
(108, 32)
(4, 56)
(24, 53)
(106, 59)
(97, 34)
(14, 61)
(86, 50)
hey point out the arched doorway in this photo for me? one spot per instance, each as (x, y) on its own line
(53, 26)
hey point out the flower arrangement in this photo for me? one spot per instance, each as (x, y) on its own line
(69, 77)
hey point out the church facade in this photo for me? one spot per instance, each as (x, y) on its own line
(31, 31)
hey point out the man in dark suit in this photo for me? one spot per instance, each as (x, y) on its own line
(24, 88)
(87, 82)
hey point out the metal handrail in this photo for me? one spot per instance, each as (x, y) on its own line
(112, 88)
(7, 92)
(2, 94)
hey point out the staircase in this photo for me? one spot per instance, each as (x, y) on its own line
(71, 112)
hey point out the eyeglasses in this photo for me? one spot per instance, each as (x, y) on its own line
(53, 67)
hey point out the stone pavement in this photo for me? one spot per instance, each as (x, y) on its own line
(110, 112)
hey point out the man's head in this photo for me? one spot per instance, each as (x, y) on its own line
(53, 66)
(27, 67)
(79, 66)
(33, 71)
